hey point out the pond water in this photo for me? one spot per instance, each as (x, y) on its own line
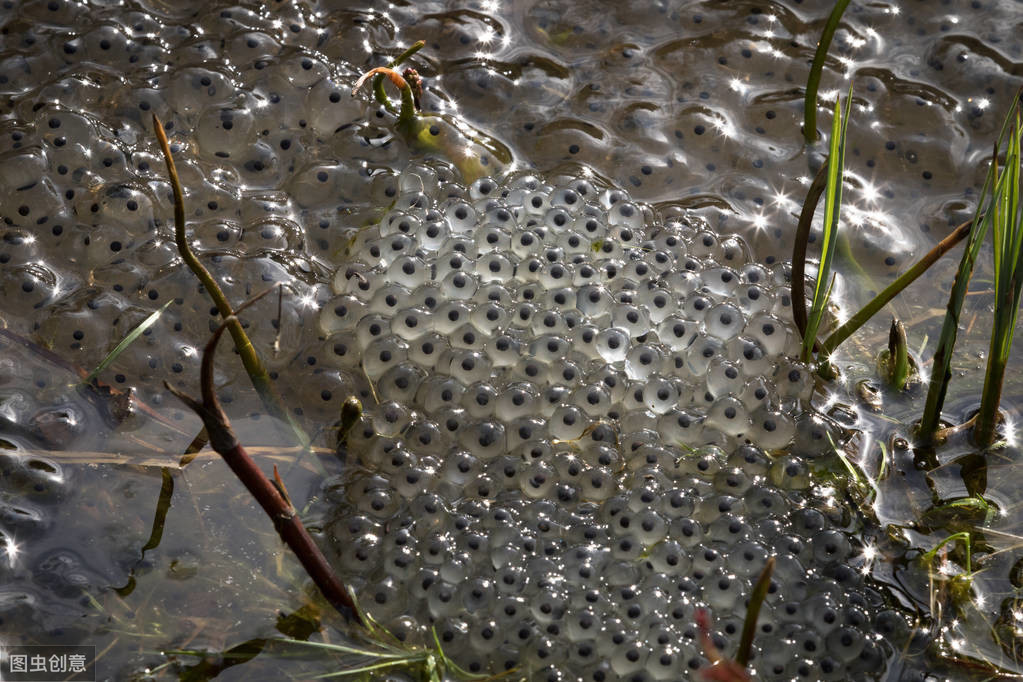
(692, 108)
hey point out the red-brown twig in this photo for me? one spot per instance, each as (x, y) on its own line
(393, 75)
(269, 496)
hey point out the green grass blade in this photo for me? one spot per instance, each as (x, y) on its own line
(813, 80)
(832, 215)
(350, 650)
(749, 625)
(368, 668)
(955, 537)
(849, 327)
(126, 341)
(941, 371)
(1006, 230)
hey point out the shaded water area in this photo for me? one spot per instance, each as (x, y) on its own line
(692, 108)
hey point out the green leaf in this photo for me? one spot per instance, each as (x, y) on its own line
(984, 217)
(832, 215)
(125, 342)
(813, 80)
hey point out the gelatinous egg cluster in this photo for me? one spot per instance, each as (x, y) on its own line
(569, 454)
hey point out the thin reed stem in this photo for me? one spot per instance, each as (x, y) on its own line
(1007, 234)
(825, 278)
(941, 372)
(850, 326)
(813, 81)
(813, 197)
(749, 625)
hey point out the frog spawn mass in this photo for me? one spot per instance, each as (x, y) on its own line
(569, 451)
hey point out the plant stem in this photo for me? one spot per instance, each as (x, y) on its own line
(1007, 232)
(941, 372)
(749, 625)
(271, 498)
(892, 290)
(378, 81)
(898, 353)
(813, 81)
(813, 197)
(250, 359)
(986, 424)
(965, 537)
(408, 98)
(825, 279)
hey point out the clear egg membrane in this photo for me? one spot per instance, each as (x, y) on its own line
(590, 449)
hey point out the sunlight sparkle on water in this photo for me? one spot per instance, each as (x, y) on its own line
(855, 41)
(830, 400)
(1011, 434)
(759, 222)
(870, 554)
(724, 127)
(782, 200)
(876, 37)
(869, 192)
(738, 86)
(12, 551)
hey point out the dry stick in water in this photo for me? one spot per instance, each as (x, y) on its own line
(250, 359)
(270, 495)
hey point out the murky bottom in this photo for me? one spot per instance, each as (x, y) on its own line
(694, 111)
